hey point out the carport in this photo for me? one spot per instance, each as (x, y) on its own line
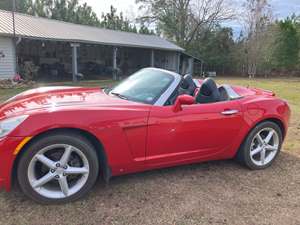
(63, 50)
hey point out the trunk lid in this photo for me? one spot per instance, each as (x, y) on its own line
(247, 91)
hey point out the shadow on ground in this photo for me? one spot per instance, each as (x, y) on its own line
(220, 192)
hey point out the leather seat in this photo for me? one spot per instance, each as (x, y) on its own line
(223, 94)
(208, 92)
(187, 86)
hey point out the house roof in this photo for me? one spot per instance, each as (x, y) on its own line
(192, 56)
(47, 29)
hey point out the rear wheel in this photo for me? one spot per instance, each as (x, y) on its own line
(58, 168)
(261, 146)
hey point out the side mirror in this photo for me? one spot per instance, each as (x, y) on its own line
(183, 100)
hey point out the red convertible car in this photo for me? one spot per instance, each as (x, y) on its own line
(56, 141)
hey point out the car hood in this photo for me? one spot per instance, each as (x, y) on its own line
(54, 97)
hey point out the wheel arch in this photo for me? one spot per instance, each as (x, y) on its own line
(270, 119)
(105, 170)
(275, 120)
(279, 123)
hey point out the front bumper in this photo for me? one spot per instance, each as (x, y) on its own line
(7, 158)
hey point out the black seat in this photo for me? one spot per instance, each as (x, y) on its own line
(187, 86)
(223, 94)
(208, 92)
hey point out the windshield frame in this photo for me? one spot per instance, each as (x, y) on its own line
(166, 93)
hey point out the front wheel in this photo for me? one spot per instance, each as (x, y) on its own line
(261, 146)
(58, 168)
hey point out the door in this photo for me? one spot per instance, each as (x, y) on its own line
(199, 131)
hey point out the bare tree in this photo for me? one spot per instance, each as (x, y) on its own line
(183, 20)
(257, 16)
(206, 14)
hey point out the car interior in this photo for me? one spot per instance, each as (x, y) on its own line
(208, 92)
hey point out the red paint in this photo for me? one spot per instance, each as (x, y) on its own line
(137, 136)
(7, 146)
(183, 100)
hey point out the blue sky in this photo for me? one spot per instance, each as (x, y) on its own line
(281, 9)
(284, 8)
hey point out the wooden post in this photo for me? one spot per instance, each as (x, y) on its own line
(152, 62)
(74, 61)
(191, 66)
(115, 68)
(178, 63)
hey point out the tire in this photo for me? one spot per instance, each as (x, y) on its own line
(69, 181)
(247, 153)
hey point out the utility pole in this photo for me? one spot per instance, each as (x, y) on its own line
(14, 34)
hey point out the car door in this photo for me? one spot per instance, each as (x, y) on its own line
(199, 131)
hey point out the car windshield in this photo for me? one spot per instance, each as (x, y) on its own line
(145, 86)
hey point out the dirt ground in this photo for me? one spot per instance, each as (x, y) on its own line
(209, 193)
(220, 192)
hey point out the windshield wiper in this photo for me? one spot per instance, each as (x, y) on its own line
(119, 95)
(107, 90)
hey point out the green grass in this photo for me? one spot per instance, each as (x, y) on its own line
(7, 93)
(288, 89)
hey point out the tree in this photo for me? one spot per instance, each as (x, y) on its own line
(257, 16)
(287, 48)
(144, 29)
(6, 5)
(115, 21)
(184, 20)
(72, 11)
(42, 8)
(65, 10)
(22, 6)
(215, 48)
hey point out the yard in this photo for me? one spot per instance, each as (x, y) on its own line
(209, 193)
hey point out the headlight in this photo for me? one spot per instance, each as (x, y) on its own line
(8, 125)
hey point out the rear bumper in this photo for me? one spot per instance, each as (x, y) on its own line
(7, 147)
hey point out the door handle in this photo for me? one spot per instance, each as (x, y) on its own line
(229, 112)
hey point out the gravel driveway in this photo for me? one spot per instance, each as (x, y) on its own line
(209, 193)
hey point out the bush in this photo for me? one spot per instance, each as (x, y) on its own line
(8, 84)
(29, 71)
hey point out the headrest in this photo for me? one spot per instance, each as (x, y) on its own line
(208, 86)
(187, 81)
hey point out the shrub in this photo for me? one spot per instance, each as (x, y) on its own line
(29, 70)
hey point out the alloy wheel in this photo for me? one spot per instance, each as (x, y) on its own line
(58, 171)
(264, 146)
